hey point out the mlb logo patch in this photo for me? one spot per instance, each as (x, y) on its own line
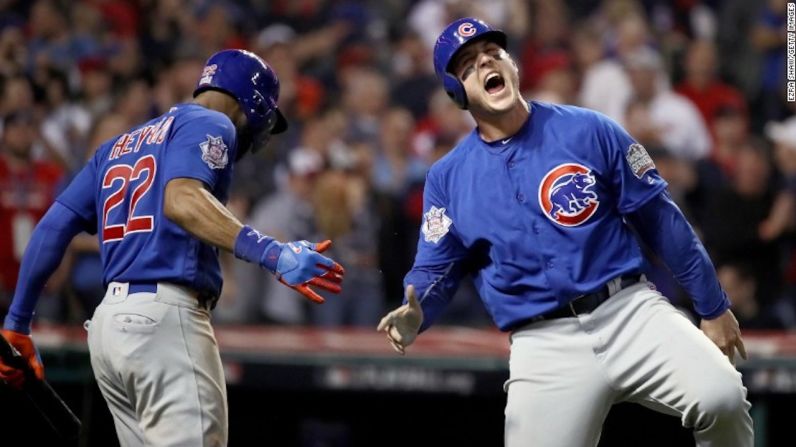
(435, 224)
(214, 152)
(566, 196)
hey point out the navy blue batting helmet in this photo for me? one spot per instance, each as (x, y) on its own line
(252, 82)
(453, 38)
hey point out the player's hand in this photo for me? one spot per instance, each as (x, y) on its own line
(403, 323)
(724, 331)
(301, 265)
(24, 344)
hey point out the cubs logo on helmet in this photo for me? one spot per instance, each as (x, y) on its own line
(565, 194)
(466, 29)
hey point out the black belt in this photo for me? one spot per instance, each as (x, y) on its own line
(206, 300)
(583, 304)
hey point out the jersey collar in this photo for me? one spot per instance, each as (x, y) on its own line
(502, 144)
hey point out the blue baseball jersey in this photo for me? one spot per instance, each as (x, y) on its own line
(538, 217)
(120, 195)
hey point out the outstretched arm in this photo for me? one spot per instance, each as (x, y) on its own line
(662, 226)
(647, 206)
(435, 287)
(296, 264)
(435, 276)
(44, 252)
(42, 255)
(191, 206)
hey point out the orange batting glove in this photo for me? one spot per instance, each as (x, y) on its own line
(24, 345)
(329, 280)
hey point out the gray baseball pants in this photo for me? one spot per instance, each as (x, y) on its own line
(156, 361)
(636, 347)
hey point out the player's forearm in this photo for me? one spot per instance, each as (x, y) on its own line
(192, 207)
(42, 255)
(664, 228)
(435, 288)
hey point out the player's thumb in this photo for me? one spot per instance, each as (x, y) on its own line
(411, 297)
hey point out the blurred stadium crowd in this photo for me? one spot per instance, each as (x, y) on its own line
(699, 83)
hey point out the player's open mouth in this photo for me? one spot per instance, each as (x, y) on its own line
(494, 83)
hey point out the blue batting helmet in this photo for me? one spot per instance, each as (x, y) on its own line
(252, 82)
(453, 38)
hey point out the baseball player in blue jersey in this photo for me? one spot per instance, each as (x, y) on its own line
(537, 203)
(154, 196)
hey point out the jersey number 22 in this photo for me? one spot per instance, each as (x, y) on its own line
(127, 174)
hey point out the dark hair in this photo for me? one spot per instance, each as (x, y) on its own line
(23, 117)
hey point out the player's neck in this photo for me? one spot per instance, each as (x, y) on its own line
(495, 127)
(223, 103)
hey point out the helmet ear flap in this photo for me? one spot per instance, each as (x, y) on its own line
(454, 88)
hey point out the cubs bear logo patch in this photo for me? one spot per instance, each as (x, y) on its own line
(214, 152)
(435, 224)
(565, 194)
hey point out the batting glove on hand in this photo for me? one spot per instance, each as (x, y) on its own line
(24, 346)
(300, 265)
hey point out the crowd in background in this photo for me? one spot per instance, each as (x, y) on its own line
(701, 84)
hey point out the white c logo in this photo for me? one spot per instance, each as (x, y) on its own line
(466, 29)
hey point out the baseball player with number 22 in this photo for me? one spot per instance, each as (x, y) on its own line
(537, 203)
(154, 196)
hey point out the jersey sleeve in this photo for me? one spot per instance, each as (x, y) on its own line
(81, 194)
(632, 171)
(438, 266)
(661, 224)
(201, 148)
(42, 256)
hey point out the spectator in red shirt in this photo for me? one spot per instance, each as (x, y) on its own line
(27, 188)
(703, 86)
